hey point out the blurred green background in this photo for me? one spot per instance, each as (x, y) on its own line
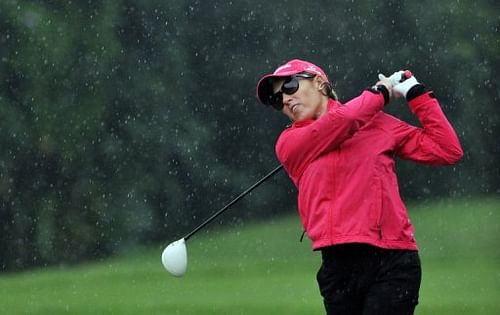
(261, 268)
(124, 124)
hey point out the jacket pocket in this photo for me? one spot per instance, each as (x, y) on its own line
(376, 208)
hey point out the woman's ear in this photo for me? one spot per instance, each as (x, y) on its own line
(321, 84)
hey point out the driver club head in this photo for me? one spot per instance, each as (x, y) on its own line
(174, 258)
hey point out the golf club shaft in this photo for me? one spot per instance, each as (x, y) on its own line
(243, 194)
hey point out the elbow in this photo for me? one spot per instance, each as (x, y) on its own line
(455, 154)
(459, 154)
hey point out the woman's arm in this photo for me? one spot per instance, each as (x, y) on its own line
(436, 143)
(300, 145)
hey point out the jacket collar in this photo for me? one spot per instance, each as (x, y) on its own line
(331, 105)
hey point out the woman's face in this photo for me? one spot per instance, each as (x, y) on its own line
(307, 102)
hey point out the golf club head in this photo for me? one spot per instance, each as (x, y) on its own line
(174, 258)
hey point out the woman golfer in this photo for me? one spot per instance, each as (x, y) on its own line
(341, 158)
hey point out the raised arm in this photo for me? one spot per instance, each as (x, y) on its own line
(306, 141)
(435, 143)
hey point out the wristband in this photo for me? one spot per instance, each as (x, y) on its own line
(415, 91)
(380, 88)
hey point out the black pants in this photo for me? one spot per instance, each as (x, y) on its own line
(363, 279)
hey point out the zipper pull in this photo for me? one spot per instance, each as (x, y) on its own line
(302, 236)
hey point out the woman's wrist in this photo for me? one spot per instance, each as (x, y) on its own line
(381, 88)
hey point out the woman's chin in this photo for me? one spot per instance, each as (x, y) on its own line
(299, 116)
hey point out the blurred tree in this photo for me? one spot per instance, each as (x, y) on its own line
(127, 122)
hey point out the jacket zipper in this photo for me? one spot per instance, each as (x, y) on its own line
(335, 157)
(379, 218)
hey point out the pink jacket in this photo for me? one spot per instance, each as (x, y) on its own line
(343, 167)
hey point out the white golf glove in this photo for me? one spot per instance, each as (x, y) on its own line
(402, 88)
(401, 81)
(394, 79)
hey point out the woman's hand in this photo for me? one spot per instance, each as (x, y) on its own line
(383, 80)
(398, 83)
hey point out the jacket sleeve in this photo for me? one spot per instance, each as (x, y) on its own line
(297, 147)
(436, 143)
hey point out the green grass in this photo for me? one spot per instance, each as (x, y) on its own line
(261, 268)
(460, 252)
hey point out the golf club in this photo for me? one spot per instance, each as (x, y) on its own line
(174, 256)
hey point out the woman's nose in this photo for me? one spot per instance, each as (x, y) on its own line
(286, 99)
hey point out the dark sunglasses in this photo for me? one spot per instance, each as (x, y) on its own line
(289, 87)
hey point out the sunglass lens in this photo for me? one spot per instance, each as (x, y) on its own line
(290, 86)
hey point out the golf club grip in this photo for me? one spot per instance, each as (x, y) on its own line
(406, 75)
(248, 190)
